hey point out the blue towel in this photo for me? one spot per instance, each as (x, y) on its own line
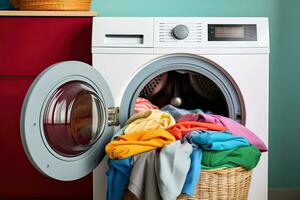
(194, 172)
(213, 140)
(208, 140)
(118, 178)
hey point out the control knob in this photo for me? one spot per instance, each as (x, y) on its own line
(180, 32)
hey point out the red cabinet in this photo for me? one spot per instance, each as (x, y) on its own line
(27, 46)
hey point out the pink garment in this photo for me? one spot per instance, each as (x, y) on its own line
(142, 104)
(233, 126)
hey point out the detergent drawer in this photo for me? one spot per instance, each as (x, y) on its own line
(120, 32)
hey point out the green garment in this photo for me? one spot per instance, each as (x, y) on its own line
(246, 157)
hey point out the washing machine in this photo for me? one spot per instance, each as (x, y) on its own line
(219, 65)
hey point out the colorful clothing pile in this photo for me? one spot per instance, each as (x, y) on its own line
(156, 158)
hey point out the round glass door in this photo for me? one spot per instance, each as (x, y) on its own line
(65, 121)
(73, 119)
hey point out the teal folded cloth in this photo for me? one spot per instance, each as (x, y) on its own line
(216, 140)
(244, 156)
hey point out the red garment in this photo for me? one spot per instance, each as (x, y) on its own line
(142, 104)
(180, 129)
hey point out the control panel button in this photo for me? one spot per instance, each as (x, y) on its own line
(180, 32)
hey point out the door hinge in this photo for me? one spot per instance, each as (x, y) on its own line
(113, 116)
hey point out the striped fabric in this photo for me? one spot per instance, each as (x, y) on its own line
(142, 104)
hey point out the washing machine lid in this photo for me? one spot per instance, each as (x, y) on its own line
(67, 119)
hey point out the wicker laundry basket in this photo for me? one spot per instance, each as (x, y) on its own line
(67, 5)
(219, 184)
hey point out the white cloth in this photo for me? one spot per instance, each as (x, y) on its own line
(172, 166)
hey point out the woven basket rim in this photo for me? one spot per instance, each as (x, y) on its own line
(55, 5)
(225, 170)
(19, 2)
(52, 1)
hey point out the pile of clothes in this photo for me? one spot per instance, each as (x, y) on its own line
(159, 154)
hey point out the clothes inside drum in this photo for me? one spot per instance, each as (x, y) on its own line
(180, 125)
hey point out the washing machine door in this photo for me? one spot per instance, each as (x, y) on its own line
(67, 119)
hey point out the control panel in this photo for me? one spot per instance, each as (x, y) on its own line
(180, 32)
(193, 32)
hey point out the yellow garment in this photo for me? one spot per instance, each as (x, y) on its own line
(138, 142)
(149, 119)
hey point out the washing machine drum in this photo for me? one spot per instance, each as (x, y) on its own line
(189, 82)
(180, 86)
(200, 83)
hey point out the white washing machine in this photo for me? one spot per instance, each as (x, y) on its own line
(220, 65)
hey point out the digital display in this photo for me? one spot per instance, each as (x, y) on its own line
(229, 32)
(232, 32)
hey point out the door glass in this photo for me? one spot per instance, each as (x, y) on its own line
(74, 119)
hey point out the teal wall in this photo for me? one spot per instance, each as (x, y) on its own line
(285, 98)
(284, 65)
